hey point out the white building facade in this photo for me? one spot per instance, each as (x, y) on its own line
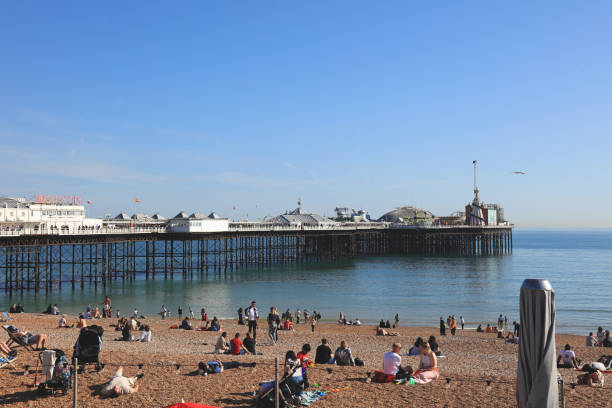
(51, 216)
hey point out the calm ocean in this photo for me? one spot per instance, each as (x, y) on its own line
(577, 263)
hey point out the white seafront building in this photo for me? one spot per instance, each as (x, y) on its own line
(46, 214)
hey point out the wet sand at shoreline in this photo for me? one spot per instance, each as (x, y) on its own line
(471, 359)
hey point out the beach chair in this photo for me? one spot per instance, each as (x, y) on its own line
(7, 361)
(5, 317)
(18, 341)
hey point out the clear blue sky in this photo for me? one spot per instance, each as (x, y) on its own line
(208, 105)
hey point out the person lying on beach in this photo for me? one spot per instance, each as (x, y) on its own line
(568, 357)
(592, 377)
(591, 341)
(511, 339)
(119, 384)
(382, 332)
(217, 367)
(236, 346)
(186, 324)
(145, 335)
(606, 361)
(39, 340)
(324, 353)
(222, 346)
(343, 355)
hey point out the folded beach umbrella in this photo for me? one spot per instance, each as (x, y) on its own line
(189, 405)
(537, 370)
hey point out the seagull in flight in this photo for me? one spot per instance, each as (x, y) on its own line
(519, 172)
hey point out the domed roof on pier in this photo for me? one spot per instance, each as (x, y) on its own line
(122, 217)
(158, 217)
(197, 216)
(407, 214)
(214, 216)
(181, 215)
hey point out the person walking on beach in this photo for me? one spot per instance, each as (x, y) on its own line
(442, 327)
(297, 316)
(163, 312)
(500, 322)
(313, 321)
(453, 326)
(252, 316)
(397, 319)
(190, 312)
(240, 318)
(180, 312)
(462, 322)
(273, 323)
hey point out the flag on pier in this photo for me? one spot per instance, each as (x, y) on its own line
(136, 200)
(88, 202)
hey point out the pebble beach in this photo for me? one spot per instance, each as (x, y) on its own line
(470, 360)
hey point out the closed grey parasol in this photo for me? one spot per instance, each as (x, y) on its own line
(537, 369)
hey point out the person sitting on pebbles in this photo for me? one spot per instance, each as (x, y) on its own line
(119, 384)
(568, 357)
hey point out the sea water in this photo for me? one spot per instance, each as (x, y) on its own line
(578, 263)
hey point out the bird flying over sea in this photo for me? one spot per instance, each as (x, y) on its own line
(518, 172)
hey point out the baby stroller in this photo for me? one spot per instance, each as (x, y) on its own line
(88, 346)
(57, 372)
(288, 392)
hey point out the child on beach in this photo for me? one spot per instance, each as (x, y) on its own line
(305, 362)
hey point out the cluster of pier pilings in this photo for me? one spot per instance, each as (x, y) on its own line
(46, 262)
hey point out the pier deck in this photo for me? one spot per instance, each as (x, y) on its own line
(44, 261)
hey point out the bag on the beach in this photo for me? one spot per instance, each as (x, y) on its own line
(359, 362)
(381, 377)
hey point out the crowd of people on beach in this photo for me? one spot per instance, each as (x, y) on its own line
(297, 365)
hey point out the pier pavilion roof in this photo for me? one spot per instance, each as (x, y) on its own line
(301, 216)
(122, 216)
(181, 215)
(7, 202)
(141, 217)
(214, 216)
(158, 217)
(407, 214)
(197, 216)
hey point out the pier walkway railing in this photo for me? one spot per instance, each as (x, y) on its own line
(242, 227)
